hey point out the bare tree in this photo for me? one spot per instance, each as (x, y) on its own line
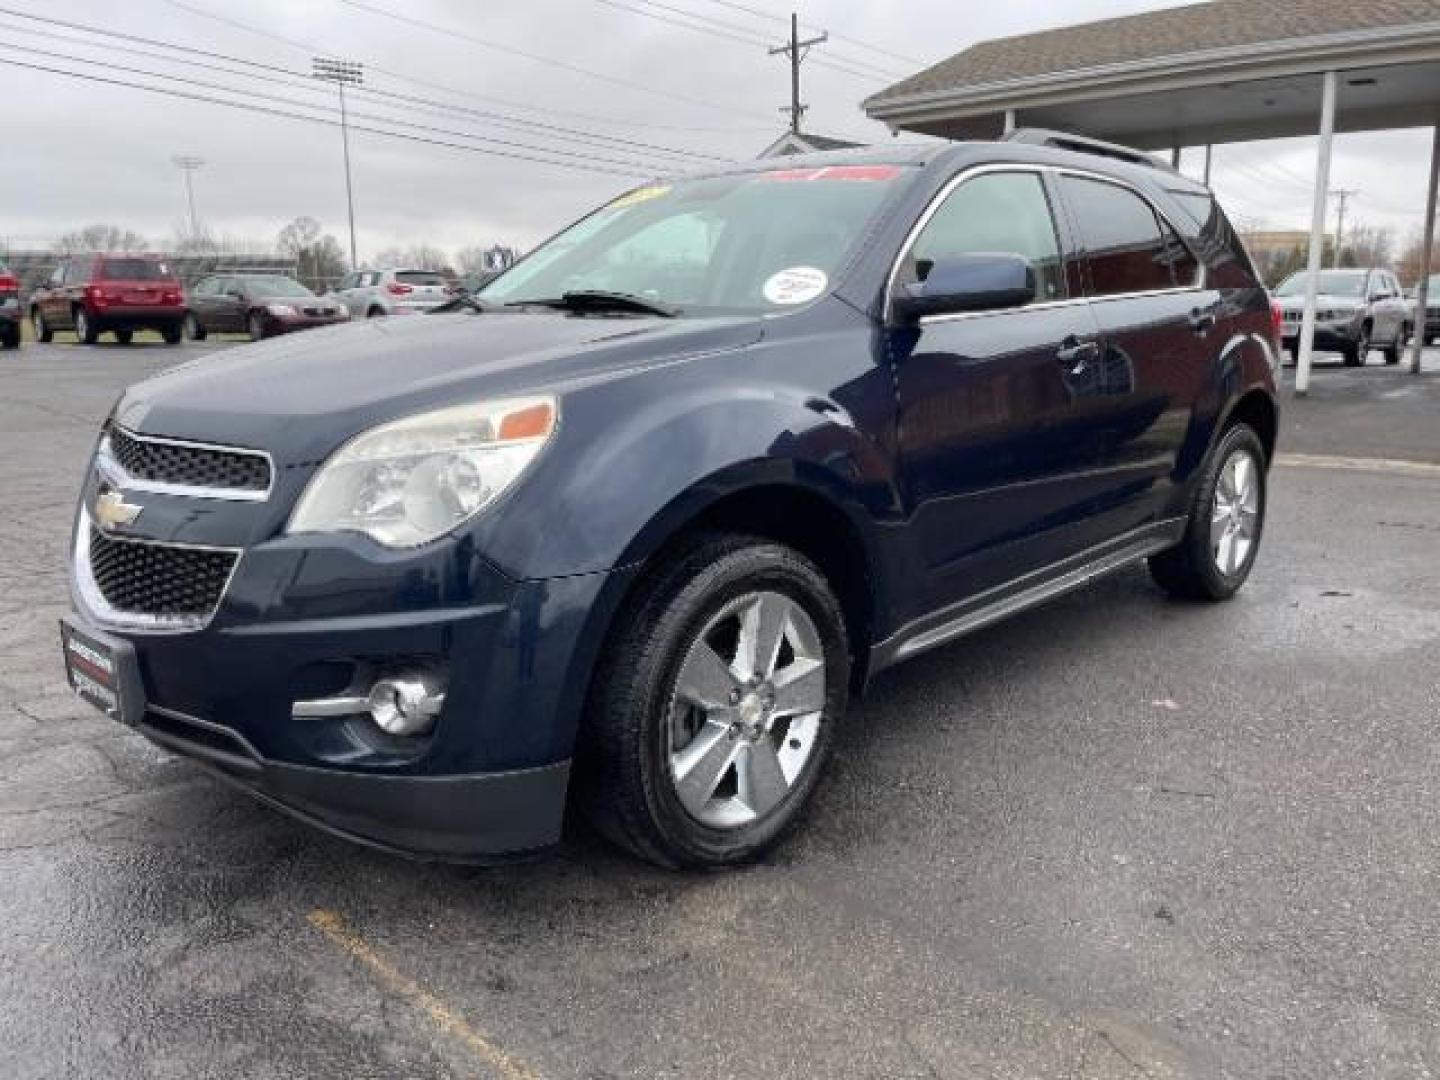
(1411, 261)
(414, 257)
(1368, 245)
(319, 260)
(100, 238)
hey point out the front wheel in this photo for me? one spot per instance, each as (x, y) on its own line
(192, 328)
(715, 705)
(43, 333)
(1227, 516)
(255, 325)
(85, 329)
(1357, 353)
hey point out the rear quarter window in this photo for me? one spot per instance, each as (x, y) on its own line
(1216, 240)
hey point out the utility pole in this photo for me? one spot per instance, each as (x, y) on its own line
(188, 164)
(1341, 196)
(796, 50)
(342, 73)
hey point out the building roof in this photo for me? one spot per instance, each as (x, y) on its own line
(805, 143)
(1155, 35)
(1224, 71)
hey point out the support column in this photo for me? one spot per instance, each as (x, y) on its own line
(1422, 293)
(1317, 232)
(1009, 121)
(1175, 156)
(1209, 153)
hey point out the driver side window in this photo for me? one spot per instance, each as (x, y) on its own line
(994, 213)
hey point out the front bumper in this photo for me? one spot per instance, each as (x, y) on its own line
(1330, 336)
(301, 615)
(285, 324)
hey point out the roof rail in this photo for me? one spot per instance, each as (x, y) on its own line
(1065, 140)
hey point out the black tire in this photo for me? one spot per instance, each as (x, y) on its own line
(1357, 353)
(43, 333)
(375, 313)
(1189, 569)
(124, 337)
(625, 783)
(172, 334)
(192, 329)
(255, 326)
(9, 335)
(86, 332)
(1396, 347)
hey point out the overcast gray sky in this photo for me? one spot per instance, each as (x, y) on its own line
(81, 152)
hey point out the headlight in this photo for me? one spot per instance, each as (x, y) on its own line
(409, 482)
(282, 311)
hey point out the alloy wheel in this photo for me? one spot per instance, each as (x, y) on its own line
(1235, 512)
(746, 710)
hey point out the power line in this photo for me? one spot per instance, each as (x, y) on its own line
(708, 26)
(298, 80)
(265, 110)
(310, 48)
(811, 26)
(510, 50)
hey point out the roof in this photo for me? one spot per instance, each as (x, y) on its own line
(805, 142)
(1157, 34)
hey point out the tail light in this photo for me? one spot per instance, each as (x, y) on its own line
(1277, 325)
(9, 284)
(94, 294)
(170, 296)
(396, 289)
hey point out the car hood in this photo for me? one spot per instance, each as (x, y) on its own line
(1323, 300)
(308, 391)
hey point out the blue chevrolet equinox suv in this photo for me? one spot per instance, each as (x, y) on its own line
(624, 532)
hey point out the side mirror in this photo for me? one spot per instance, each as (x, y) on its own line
(982, 281)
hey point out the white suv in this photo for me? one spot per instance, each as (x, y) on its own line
(371, 293)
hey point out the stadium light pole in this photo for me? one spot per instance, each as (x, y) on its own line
(342, 73)
(188, 164)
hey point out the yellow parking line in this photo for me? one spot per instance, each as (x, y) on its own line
(1359, 464)
(446, 1019)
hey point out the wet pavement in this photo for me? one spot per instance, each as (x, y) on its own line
(1119, 836)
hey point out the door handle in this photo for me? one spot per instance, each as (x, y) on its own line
(1075, 354)
(1202, 321)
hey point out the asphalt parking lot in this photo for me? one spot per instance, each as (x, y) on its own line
(1120, 836)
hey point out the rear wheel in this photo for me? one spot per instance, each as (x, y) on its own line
(43, 333)
(192, 328)
(171, 333)
(124, 337)
(1227, 516)
(374, 313)
(9, 335)
(85, 330)
(715, 704)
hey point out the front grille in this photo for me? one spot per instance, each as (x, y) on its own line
(188, 465)
(141, 578)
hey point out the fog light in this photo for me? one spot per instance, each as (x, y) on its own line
(406, 706)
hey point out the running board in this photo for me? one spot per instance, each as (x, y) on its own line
(1023, 593)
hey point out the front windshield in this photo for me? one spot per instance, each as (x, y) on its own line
(749, 243)
(275, 286)
(1331, 283)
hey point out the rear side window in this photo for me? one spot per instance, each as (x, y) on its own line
(419, 277)
(992, 213)
(135, 270)
(1128, 246)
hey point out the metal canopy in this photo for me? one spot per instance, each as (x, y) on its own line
(1226, 71)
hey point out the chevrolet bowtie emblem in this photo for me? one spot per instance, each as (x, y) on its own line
(112, 511)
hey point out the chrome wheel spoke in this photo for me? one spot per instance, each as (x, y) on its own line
(706, 679)
(761, 781)
(702, 764)
(800, 687)
(762, 629)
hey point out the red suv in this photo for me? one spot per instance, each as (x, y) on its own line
(9, 309)
(120, 293)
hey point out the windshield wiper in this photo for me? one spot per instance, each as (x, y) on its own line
(603, 300)
(464, 300)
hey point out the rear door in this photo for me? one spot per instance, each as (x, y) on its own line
(999, 477)
(1160, 340)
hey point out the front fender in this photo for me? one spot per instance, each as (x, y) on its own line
(628, 468)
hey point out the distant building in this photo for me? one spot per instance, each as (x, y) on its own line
(804, 143)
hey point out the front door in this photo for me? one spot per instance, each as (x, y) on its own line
(1000, 478)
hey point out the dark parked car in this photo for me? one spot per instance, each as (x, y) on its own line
(633, 527)
(9, 309)
(1356, 310)
(261, 305)
(92, 294)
